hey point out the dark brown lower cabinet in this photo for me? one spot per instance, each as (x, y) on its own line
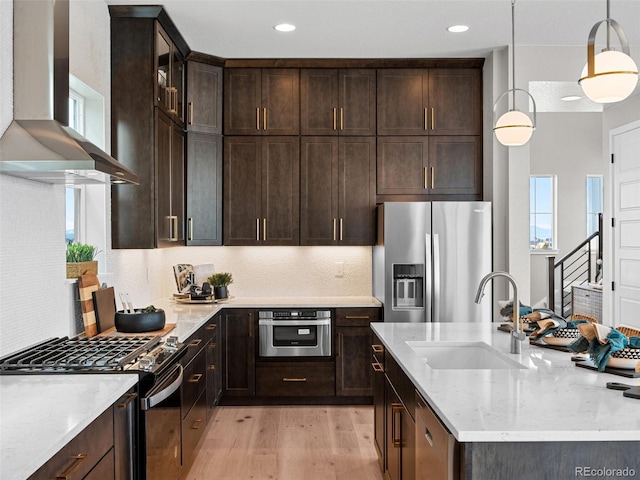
(214, 381)
(238, 346)
(379, 428)
(295, 379)
(400, 439)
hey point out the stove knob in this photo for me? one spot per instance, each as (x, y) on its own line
(146, 363)
(172, 341)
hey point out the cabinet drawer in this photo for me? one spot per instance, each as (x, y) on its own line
(104, 470)
(436, 448)
(195, 343)
(82, 453)
(195, 381)
(193, 427)
(401, 383)
(296, 380)
(356, 317)
(377, 350)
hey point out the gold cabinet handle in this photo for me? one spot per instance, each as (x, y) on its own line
(264, 229)
(356, 317)
(377, 367)
(302, 379)
(335, 119)
(257, 118)
(433, 118)
(341, 229)
(190, 115)
(264, 119)
(426, 123)
(195, 343)
(77, 461)
(173, 228)
(341, 118)
(211, 326)
(428, 436)
(377, 348)
(396, 409)
(433, 177)
(257, 229)
(197, 423)
(334, 229)
(424, 177)
(190, 222)
(195, 378)
(130, 398)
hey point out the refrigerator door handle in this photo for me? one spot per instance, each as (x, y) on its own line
(428, 276)
(436, 277)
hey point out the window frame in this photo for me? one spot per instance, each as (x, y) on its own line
(587, 192)
(553, 247)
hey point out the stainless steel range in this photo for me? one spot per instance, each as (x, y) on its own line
(156, 362)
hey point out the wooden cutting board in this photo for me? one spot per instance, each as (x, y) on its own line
(112, 332)
(104, 304)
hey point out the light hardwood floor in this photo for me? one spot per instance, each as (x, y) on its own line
(288, 443)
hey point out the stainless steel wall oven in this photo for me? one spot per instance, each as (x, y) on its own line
(294, 333)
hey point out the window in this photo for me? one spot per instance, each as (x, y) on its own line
(594, 202)
(542, 212)
(73, 195)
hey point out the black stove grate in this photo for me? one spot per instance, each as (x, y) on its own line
(65, 354)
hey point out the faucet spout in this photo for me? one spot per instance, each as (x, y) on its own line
(517, 335)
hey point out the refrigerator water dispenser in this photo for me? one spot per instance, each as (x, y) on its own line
(408, 286)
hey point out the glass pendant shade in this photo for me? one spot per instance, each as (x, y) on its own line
(615, 77)
(514, 128)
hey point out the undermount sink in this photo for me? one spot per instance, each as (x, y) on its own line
(463, 356)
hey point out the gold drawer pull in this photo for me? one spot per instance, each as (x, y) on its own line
(428, 436)
(377, 367)
(211, 326)
(78, 459)
(195, 378)
(197, 424)
(357, 317)
(377, 348)
(195, 342)
(128, 400)
(213, 368)
(303, 379)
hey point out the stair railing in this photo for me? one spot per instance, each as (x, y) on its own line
(575, 268)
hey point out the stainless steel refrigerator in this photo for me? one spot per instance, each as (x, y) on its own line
(429, 259)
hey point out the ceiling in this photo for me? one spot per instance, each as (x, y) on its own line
(387, 28)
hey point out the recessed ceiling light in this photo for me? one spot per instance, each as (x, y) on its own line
(285, 27)
(457, 28)
(571, 98)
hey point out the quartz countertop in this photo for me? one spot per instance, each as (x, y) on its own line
(550, 400)
(39, 414)
(188, 317)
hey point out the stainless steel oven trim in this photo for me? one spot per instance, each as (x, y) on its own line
(156, 398)
(295, 323)
(268, 350)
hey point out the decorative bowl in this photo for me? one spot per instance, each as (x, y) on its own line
(139, 321)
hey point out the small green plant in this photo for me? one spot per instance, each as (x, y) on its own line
(79, 252)
(222, 279)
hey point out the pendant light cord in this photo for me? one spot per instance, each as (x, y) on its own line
(513, 53)
(608, 28)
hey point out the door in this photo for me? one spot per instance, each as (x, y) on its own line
(357, 102)
(319, 101)
(280, 219)
(164, 132)
(455, 165)
(204, 98)
(177, 184)
(353, 362)
(280, 101)
(402, 166)
(356, 188)
(461, 242)
(204, 189)
(238, 358)
(455, 101)
(403, 98)
(242, 190)
(242, 101)
(625, 146)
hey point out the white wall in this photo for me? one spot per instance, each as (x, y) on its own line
(35, 297)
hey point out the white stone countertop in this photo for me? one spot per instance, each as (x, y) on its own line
(189, 317)
(39, 414)
(550, 400)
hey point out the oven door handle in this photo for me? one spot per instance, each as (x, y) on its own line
(294, 323)
(150, 402)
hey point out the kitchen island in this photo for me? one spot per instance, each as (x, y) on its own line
(543, 418)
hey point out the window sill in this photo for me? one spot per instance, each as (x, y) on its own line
(544, 251)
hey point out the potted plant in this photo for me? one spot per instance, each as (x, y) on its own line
(80, 259)
(220, 282)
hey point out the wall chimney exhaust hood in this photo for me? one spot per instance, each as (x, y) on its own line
(39, 144)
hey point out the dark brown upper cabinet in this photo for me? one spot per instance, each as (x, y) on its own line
(338, 101)
(147, 130)
(204, 98)
(429, 166)
(445, 101)
(261, 190)
(262, 101)
(337, 191)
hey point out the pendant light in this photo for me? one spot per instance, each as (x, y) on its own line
(514, 128)
(610, 76)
